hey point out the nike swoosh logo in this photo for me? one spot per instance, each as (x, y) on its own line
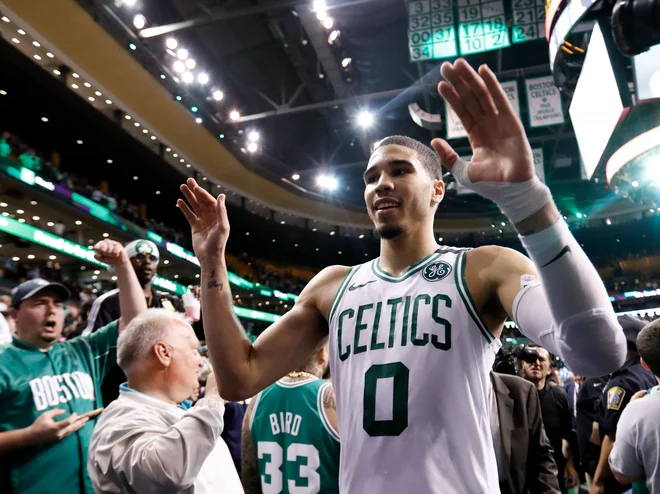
(355, 287)
(561, 253)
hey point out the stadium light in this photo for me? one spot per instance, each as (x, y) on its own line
(295, 176)
(346, 62)
(333, 36)
(199, 121)
(129, 3)
(327, 182)
(252, 147)
(190, 63)
(318, 5)
(171, 43)
(321, 15)
(234, 115)
(218, 95)
(203, 78)
(328, 22)
(253, 136)
(139, 21)
(187, 77)
(182, 53)
(365, 119)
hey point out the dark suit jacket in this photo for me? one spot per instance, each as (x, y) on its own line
(526, 449)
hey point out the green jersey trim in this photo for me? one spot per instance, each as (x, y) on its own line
(383, 275)
(254, 409)
(295, 384)
(468, 301)
(340, 293)
(324, 418)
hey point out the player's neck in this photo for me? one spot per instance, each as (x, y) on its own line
(147, 290)
(398, 254)
(540, 384)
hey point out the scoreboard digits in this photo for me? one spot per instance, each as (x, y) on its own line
(444, 28)
(431, 31)
(482, 26)
(528, 20)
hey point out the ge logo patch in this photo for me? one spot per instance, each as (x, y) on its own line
(436, 271)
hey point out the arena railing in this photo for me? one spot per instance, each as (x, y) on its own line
(72, 249)
(103, 214)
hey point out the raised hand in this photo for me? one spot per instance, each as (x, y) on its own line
(110, 252)
(45, 430)
(501, 152)
(208, 221)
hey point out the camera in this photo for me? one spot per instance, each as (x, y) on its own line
(506, 362)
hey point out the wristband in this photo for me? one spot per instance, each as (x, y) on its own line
(518, 200)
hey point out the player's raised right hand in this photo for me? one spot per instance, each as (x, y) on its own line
(46, 430)
(208, 221)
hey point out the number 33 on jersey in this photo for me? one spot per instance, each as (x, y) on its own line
(297, 449)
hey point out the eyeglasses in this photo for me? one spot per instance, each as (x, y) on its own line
(146, 257)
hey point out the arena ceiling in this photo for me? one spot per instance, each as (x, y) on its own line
(273, 63)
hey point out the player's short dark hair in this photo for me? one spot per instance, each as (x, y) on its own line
(648, 346)
(427, 156)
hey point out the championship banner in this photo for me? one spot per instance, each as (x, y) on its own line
(511, 90)
(544, 102)
(538, 163)
(455, 128)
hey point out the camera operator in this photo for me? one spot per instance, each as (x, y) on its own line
(536, 365)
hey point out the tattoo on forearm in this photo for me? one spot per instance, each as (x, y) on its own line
(212, 274)
(214, 284)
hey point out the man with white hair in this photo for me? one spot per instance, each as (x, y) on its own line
(144, 442)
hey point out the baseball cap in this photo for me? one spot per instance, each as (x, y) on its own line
(30, 288)
(141, 246)
(631, 326)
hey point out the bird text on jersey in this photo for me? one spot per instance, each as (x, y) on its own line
(370, 334)
(49, 391)
(285, 422)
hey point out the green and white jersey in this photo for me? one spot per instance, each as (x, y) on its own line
(410, 361)
(67, 376)
(297, 448)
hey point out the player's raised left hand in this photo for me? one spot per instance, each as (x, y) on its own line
(501, 152)
(110, 252)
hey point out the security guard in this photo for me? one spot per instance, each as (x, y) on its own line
(620, 387)
(144, 257)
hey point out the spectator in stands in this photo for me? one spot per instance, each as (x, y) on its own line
(144, 258)
(636, 452)
(59, 228)
(556, 415)
(144, 442)
(40, 378)
(524, 456)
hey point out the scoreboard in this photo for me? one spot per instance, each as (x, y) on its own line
(440, 29)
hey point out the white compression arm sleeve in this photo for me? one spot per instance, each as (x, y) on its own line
(569, 312)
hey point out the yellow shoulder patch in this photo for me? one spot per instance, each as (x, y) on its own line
(615, 397)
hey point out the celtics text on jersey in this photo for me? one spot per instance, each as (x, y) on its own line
(410, 359)
(297, 448)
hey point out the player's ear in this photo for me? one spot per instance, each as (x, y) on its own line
(438, 192)
(644, 364)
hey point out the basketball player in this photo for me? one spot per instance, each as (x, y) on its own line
(290, 439)
(413, 334)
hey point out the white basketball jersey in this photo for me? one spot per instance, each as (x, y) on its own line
(410, 361)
